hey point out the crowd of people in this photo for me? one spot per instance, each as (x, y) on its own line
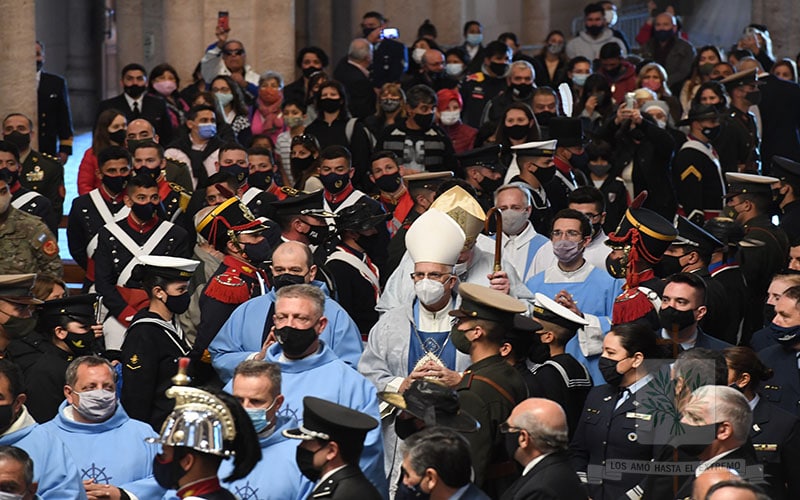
(432, 272)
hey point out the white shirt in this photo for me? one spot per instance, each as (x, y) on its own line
(711, 461)
(329, 474)
(131, 100)
(689, 344)
(533, 463)
(595, 254)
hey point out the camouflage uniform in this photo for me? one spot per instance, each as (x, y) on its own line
(27, 246)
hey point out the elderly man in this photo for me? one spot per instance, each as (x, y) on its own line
(16, 469)
(537, 432)
(670, 50)
(245, 334)
(257, 387)
(353, 72)
(89, 420)
(228, 57)
(520, 89)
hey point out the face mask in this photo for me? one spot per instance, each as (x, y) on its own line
(544, 175)
(474, 39)
(653, 85)
(567, 251)
(705, 69)
(753, 97)
(258, 252)
(305, 462)
(7, 416)
(261, 179)
(579, 79)
(417, 54)
(295, 341)
(596, 228)
(663, 35)
(517, 132)
(514, 221)
(499, 69)
(579, 161)
(460, 269)
(614, 72)
(301, 164)
(153, 173)
(390, 105)
(144, 211)
(79, 343)
(307, 72)
(454, 69)
(20, 140)
(239, 172)
(459, 339)
(667, 266)
(117, 137)
(777, 196)
(178, 304)
(270, 95)
(450, 117)
(135, 91)
(711, 133)
(769, 313)
(165, 87)
(293, 121)
(544, 118)
(415, 491)
(16, 328)
(3, 494)
(389, 183)
(617, 268)
(259, 418)
(12, 177)
(522, 90)
(610, 16)
(594, 30)
(608, 368)
(662, 124)
(167, 474)
(132, 144)
(429, 291)
(489, 185)
(115, 184)
(329, 105)
(696, 439)
(317, 235)
(599, 169)
(207, 130)
(223, 99)
(786, 335)
(424, 122)
(335, 183)
(555, 48)
(96, 405)
(5, 202)
(673, 319)
(287, 279)
(511, 443)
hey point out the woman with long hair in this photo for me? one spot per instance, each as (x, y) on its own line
(390, 109)
(551, 63)
(702, 66)
(653, 76)
(304, 161)
(230, 101)
(596, 104)
(164, 82)
(109, 131)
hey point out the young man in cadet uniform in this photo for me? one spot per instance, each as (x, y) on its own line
(23, 198)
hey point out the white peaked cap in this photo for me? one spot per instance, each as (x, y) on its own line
(435, 237)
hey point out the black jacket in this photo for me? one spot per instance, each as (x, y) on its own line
(780, 117)
(154, 110)
(551, 479)
(55, 116)
(776, 438)
(346, 484)
(783, 389)
(360, 94)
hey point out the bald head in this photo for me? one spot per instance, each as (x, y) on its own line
(293, 257)
(140, 129)
(360, 50)
(543, 428)
(709, 478)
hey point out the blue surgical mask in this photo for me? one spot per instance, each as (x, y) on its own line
(259, 417)
(475, 39)
(207, 130)
(223, 99)
(579, 79)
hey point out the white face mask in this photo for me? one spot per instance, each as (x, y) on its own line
(461, 268)
(10, 496)
(96, 405)
(417, 54)
(428, 291)
(611, 17)
(661, 123)
(454, 69)
(5, 201)
(450, 117)
(514, 221)
(223, 99)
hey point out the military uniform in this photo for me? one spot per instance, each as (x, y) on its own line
(35, 204)
(45, 380)
(174, 200)
(566, 381)
(788, 171)
(477, 90)
(88, 214)
(775, 435)
(259, 202)
(55, 116)
(541, 212)
(747, 122)
(783, 389)
(569, 133)
(697, 177)
(44, 174)
(27, 246)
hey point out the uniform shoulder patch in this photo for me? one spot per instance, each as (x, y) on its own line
(176, 187)
(133, 362)
(50, 157)
(176, 161)
(50, 248)
(228, 289)
(692, 170)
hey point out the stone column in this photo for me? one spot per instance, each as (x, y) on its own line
(320, 28)
(535, 22)
(81, 72)
(782, 18)
(183, 36)
(17, 90)
(449, 18)
(274, 38)
(130, 37)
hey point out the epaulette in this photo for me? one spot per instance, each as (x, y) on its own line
(228, 289)
(176, 161)
(176, 187)
(290, 191)
(50, 157)
(476, 77)
(376, 197)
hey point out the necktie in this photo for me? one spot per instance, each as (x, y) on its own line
(623, 396)
(136, 111)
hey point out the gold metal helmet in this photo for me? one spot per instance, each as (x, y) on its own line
(200, 420)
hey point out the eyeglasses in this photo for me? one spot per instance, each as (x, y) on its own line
(570, 233)
(235, 52)
(507, 428)
(434, 276)
(303, 139)
(591, 216)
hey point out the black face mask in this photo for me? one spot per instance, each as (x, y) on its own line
(295, 341)
(153, 173)
(545, 175)
(20, 140)
(16, 328)
(517, 132)
(178, 304)
(167, 474)
(305, 462)
(753, 97)
(389, 183)
(544, 118)
(489, 185)
(239, 172)
(261, 180)
(317, 235)
(301, 164)
(522, 91)
(307, 72)
(499, 69)
(667, 266)
(671, 319)
(406, 492)
(711, 133)
(144, 211)
(594, 30)
(580, 161)
(258, 252)
(511, 443)
(117, 136)
(459, 339)
(79, 343)
(6, 416)
(335, 183)
(134, 143)
(769, 313)
(135, 91)
(330, 105)
(614, 72)
(11, 177)
(424, 122)
(287, 279)
(115, 184)
(608, 368)
(617, 268)
(696, 438)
